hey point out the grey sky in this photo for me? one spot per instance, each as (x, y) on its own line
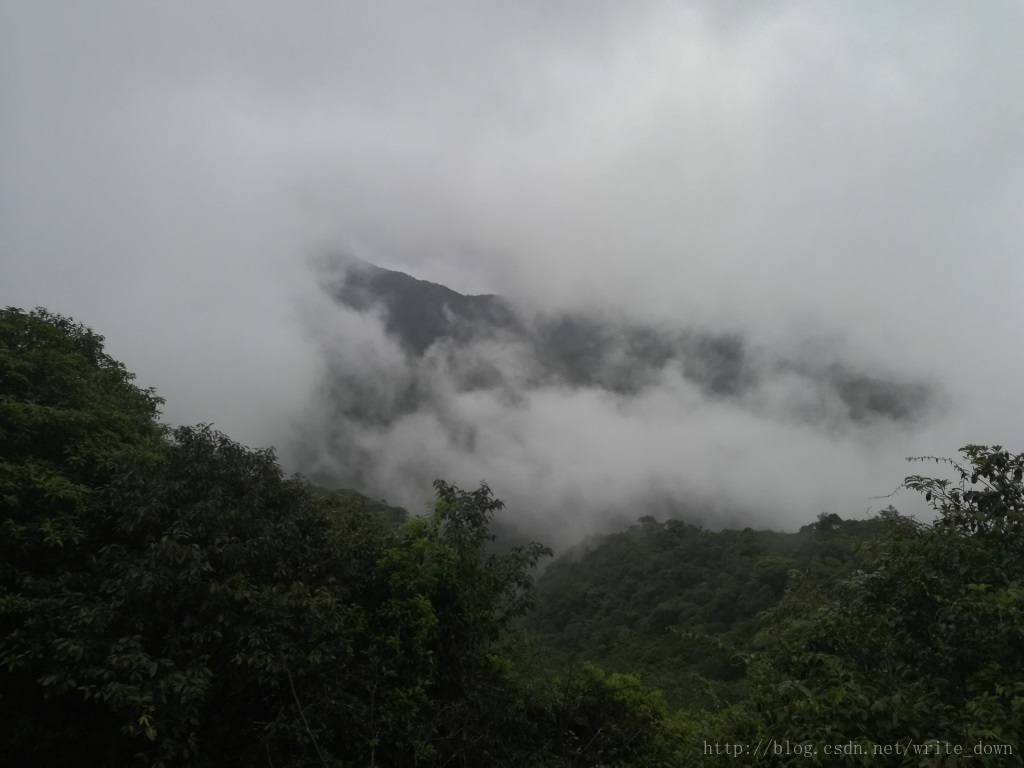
(795, 170)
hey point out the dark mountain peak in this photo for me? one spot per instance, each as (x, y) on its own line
(350, 268)
(417, 312)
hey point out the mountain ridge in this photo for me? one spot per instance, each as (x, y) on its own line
(622, 357)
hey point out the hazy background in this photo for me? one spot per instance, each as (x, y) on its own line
(836, 177)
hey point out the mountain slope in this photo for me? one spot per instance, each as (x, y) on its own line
(619, 356)
(418, 312)
(671, 601)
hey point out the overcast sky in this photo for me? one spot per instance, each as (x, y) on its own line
(835, 172)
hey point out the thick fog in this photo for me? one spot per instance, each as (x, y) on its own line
(829, 181)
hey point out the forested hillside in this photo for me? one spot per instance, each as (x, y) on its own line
(169, 597)
(674, 603)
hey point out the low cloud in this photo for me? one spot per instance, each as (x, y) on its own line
(572, 457)
(827, 182)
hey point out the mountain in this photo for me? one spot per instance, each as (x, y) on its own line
(417, 312)
(593, 351)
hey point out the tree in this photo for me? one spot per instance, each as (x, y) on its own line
(923, 644)
(71, 424)
(170, 597)
(440, 686)
(166, 596)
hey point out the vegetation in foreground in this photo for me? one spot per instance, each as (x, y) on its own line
(170, 598)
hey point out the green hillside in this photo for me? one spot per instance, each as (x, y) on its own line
(673, 603)
(169, 598)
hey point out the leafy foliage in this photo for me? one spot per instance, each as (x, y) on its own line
(168, 597)
(923, 644)
(673, 603)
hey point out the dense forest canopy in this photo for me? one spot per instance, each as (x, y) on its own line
(623, 603)
(169, 597)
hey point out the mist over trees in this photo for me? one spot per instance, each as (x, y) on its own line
(169, 597)
(511, 384)
(421, 381)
